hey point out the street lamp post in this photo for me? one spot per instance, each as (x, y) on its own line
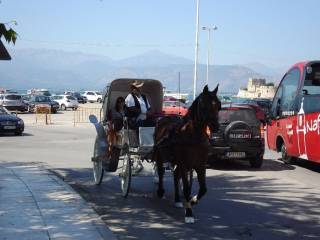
(196, 54)
(208, 48)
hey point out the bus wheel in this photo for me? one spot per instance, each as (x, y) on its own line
(284, 155)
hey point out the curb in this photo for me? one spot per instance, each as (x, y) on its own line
(101, 227)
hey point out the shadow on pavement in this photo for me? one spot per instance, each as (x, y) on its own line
(13, 135)
(235, 207)
(243, 165)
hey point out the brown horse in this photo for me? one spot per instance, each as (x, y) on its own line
(184, 143)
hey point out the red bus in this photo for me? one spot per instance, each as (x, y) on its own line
(294, 122)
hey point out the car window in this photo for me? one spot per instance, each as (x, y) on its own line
(90, 93)
(166, 104)
(98, 93)
(238, 114)
(13, 97)
(70, 98)
(42, 99)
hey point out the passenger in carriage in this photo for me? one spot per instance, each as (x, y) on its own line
(117, 114)
(138, 108)
(115, 124)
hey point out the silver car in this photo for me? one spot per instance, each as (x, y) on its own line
(12, 102)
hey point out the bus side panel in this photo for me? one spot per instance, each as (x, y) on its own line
(291, 136)
(272, 135)
(312, 136)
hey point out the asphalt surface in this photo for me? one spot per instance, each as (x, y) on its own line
(277, 201)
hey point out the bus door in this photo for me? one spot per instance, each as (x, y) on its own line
(284, 109)
(308, 125)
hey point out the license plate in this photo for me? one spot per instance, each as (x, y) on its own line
(236, 154)
(9, 127)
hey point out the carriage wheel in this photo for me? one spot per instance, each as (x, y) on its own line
(126, 175)
(97, 168)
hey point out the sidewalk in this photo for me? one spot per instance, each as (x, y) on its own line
(36, 204)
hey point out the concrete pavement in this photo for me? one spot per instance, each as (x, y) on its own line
(36, 204)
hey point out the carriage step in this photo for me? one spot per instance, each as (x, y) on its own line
(98, 158)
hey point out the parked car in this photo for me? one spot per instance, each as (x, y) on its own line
(174, 108)
(240, 136)
(38, 91)
(258, 110)
(78, 96)
(66, 101)
(293, 124)
(93, 96)
(12, 102)
(42, 100)
(10, 123)
(264, 104)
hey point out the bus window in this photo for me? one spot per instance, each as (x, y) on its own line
(290, 85)
(311, 89)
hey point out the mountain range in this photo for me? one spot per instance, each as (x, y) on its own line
(61, 70)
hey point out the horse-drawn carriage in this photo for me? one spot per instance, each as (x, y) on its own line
(185, 139)
(127, 146)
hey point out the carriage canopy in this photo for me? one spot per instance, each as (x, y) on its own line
(153, 89)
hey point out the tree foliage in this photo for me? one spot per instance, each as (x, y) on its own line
(9, 34)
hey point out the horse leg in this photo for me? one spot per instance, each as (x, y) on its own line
(201, 174)
(176, 178)
(161, 170)
(189, 218)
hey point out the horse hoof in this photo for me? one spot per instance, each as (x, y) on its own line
(194, 200)
(178, 204)
(189, 219)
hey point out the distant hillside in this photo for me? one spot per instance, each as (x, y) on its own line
(61, 70)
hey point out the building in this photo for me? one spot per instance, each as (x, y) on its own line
(257, 88)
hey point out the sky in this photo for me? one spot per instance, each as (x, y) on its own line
(276, 33)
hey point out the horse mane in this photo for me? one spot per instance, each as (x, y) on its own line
(191, 114)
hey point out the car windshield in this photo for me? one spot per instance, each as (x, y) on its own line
(311, 89)
(70, 98)
(42, 99)
(264, 104)
(13, 97)
(238, 114)
(3, 111)
(98, 93)
(173, 103)
(45, 93)
(26, 97)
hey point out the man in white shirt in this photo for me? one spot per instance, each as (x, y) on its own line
(138, 107)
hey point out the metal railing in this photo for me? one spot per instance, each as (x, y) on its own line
(81, 115)
(43, 112)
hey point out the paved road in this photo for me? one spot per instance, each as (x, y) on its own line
(275, 202)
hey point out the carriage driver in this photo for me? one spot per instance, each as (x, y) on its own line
(138, 108)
